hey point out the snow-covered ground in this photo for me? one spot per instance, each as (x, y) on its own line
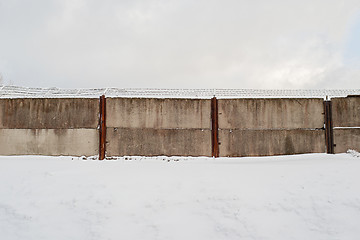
(313, 196)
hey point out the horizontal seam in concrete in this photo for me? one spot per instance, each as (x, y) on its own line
(94, 128)
(269, 98)
(270, 129)
(120, 128)
(346, 128)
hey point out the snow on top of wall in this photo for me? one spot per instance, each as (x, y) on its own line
(25, 92)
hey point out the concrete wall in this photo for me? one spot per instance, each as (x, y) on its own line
(49, 126)
(145, 126)
(259, 127)
(173, 127)
(346, 121)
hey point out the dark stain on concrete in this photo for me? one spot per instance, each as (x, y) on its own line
(289, 145)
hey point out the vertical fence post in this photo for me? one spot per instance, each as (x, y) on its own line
(329, 134)
(102, 127)
(214, 128)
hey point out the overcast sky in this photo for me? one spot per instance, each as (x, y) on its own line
(180, 43)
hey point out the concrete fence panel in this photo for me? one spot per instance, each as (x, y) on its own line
(260, 127)
(346, 112)
(52, 142)
(158, 142)
(49, 113)
(148, 126)
(346, 122)
(49, 126)
(345, 139)
(280, 113)
(158, 113)
(240, 143)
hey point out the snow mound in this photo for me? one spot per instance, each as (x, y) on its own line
(353, 153)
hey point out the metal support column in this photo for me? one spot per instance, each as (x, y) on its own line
(102, 127)
(214, 127)
(329, 134)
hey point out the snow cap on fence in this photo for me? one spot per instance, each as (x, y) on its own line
(26, 92)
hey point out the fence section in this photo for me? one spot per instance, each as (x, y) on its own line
(52, 126)
(259, 127)
(346, 122)
(150, 126)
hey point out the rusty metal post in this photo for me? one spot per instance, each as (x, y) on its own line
(329, 134)
(214, 127)
(102, 127)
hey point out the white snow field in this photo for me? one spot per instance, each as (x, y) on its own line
(311, 196)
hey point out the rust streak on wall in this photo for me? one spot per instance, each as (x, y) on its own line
(214, 127)
(102, 128)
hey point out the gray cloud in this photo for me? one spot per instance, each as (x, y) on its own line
(177, 44)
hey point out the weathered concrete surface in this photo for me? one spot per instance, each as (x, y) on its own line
(238, 143)
(346, 112)
(53, 142)
(154, 142)
(345, 139)
(49, 113)
(271, 113)
(158, 113)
